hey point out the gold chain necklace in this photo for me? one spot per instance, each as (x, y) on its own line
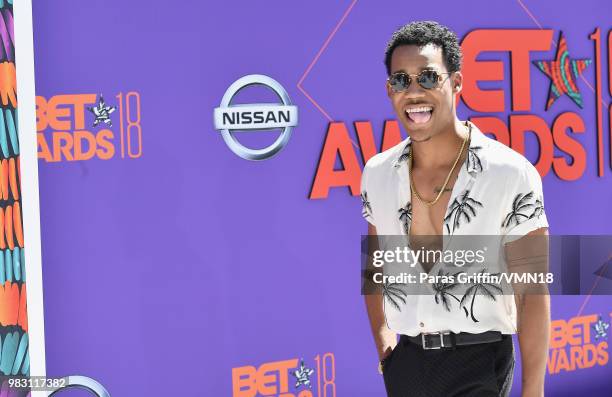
(413, 188)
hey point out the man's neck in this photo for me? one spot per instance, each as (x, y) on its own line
(440, 150)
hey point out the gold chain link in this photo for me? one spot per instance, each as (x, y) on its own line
(413, 188)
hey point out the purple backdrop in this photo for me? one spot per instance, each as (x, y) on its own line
(164, 272)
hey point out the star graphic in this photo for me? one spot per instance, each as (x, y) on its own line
(302, 375)
(601, 328)
(563, 73)
(102, 112)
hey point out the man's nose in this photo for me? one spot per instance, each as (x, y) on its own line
(414, 89)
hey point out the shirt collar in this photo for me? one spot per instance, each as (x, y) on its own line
(476, 161)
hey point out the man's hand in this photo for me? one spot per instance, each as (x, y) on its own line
(384, 338)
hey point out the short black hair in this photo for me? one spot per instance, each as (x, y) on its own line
(421, 33)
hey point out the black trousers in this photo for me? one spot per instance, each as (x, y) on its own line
(482, 370)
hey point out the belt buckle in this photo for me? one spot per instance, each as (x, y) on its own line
(440, 333)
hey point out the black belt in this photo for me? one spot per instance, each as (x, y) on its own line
(447, 339)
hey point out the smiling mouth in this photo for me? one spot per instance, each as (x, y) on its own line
(419, 115)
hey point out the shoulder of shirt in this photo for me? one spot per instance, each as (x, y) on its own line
(506, 161)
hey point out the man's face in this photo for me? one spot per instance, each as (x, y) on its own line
(435, 107)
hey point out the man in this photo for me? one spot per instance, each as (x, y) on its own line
(448, 179)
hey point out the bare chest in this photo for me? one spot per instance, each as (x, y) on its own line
(427, 226)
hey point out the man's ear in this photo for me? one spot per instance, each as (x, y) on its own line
(457, 82)
(389, 89)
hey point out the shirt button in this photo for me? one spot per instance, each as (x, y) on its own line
(421, 324)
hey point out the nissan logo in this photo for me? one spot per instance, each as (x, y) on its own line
(255, 117)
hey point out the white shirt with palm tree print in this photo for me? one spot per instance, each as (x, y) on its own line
(498, 192)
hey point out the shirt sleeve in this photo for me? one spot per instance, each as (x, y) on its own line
(524, 209)
(366, 196)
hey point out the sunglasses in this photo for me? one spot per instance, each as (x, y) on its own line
(428, 79)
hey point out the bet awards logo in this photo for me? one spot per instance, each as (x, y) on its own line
(559, 125)
(81, 127)
(274, 378)
(231, 117)
(578, 343)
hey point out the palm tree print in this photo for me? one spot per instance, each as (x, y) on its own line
(464, 208)
(538, 209)
(404, 156)
(473, 163)
(443, 294)
(520, 206)
(405, 216)
(366, 207)
(486, 288)
(394, 294)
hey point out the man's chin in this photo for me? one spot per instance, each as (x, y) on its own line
(420, 137)
(419, 133)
